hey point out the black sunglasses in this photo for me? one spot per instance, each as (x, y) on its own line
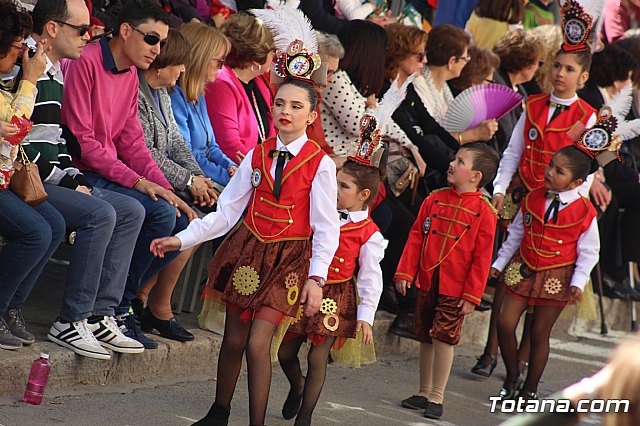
(82, 29)
(106, 33)
(150, 39)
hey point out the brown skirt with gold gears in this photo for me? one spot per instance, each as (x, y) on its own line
(252, 274)
(337, 316)
(512, 201)
(550, 287)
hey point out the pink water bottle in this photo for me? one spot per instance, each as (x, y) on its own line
(38, 377)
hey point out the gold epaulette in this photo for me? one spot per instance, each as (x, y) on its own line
(439, 190)
(486, 200)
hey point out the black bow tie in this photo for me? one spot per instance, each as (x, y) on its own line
(274, 153)
(281, 156)
(558, 106)
(344, 215)
(553, 209)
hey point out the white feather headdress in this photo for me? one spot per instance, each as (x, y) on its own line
(369, 149)
(296, 44)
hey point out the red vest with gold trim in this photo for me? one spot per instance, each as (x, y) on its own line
(287, 218)
(352, 237)
(542, 141)
(552, 245)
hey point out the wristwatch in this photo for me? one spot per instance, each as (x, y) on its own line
(191, 181)
(319, 280)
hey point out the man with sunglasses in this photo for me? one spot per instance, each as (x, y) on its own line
(100, 108)
(106, 223)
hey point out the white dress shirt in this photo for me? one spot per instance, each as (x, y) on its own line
(234, 200)
(588, 243)
(369, 279)
(511, 157)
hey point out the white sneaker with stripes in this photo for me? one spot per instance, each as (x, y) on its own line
(78, 337)
(110, 336)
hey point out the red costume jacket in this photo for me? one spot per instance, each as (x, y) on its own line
(456, 232)
(552, 245)
(542, 141)
(287, 218)
(352, 237)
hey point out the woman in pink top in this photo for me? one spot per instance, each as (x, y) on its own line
(238, 101)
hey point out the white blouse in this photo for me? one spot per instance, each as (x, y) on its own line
(435, 101)
(236, 195)
(342, 108)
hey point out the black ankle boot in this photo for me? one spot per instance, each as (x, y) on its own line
(217, 416)
(485, 369)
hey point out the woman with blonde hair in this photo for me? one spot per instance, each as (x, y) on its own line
(209, 47)
(176, 161)
(239, 100)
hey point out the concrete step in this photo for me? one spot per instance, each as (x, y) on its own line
(172, 360)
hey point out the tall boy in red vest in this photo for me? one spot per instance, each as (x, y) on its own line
(448, 255)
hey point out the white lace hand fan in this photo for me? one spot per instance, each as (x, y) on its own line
(480, 103)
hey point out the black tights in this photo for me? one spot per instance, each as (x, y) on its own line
(254, 337)
(311, 387)
(542, 321)
(491, 347)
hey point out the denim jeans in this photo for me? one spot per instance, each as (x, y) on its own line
(160, 221)
(107, 226)
(33, 234)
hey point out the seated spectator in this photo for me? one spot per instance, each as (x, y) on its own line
(521, 54)
(611, 71)
(618, 16)
(331, 51)
(537, 13)
(447, 55)
(106, 223)
(238, 101)
(354, 90)
(207, 55)
(176, 161)
(479, 70)
(31, 234)
(492, 19)
(99, 107)
(551, 38)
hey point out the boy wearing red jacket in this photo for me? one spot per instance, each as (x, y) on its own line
(448, 256)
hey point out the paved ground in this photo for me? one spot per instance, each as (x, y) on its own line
(368, 396)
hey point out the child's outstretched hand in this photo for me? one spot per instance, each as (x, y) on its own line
(367, 331)
(402, 286)
(160, 246)
(494, 273)
(466, 307)
(311, 298)
(576, 293)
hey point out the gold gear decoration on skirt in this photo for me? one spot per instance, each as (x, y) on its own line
(246, 280)
(298, 316)
(509, 208)
(291, 280)
(553, 286)
(327, 318)
(292, 295)
(328, 306)
(512, 275)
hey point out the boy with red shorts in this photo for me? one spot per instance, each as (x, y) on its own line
(448, 256)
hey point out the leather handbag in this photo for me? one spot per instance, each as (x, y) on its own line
(401, 172)
(25, 181)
